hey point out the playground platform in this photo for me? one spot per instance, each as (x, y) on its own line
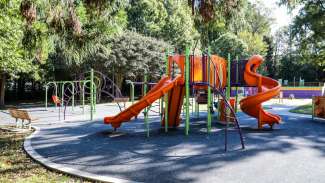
(293, 152)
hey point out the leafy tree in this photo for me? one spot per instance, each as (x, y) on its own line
(308, 28)
(248, 21)
(216, 18)
(270, 62)
(254, 42)
(179, 27)
(210, 31)
(12, 55)
(147, 16)
(301, 46)
(229, 43)
(79, 29)
(169, 20)
(257, 20)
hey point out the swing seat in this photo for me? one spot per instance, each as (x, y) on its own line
(56, 100)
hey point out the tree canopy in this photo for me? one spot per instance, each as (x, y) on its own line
(56, 39)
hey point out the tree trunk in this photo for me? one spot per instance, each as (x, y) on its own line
(2, 89)
(119, 77)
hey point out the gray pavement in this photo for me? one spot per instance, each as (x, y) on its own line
(293, 152)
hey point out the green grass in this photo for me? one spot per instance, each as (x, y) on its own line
(16, 166)
(304, 109)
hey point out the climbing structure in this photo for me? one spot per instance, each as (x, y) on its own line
(92, 84)
(204, 74)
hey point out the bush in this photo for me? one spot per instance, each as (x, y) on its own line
(129, 56)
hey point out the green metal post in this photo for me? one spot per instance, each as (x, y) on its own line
(166, 95)
(228, 84)
(236, 101)
(220, 72)
(187, 90)
(46, 88)
(94, 97)
(62, 93)
(72, 95)
(56, 93)
(209, 94)
(145, 80)
(132, 92)
(228, 78)
(91, 94)
(83, 96)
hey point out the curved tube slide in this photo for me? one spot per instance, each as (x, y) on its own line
(267, 89)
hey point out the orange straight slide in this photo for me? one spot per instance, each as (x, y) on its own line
(165, 85)
(267, 89)
(175, 103)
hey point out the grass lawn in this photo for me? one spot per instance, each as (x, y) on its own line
(16, 166)
(304, 109)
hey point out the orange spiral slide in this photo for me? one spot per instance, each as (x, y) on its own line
(267, 89)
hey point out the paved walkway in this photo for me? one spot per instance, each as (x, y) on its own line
(293, 152)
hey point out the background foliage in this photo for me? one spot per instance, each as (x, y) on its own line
(55, 40)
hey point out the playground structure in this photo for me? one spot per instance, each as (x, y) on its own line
(93, 84)
(145, 85)
(209, 77)
(301, 89)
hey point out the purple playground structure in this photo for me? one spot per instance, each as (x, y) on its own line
(287, 92)
(301, 92)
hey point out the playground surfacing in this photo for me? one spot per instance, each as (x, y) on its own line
(293, 152)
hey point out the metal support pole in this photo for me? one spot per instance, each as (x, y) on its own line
(187, 90)
(72, 95)
(229, 85)
(167, 94)
(228, 78)
(132, 92)
(209, 93)
(83, 96)
(220, 74)
(56, 94)
(91, 94)
(161, 108)
(236, 100)
(95, 97)
(146, 110)
(227, 112)
(62, 94)
(46, 88)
